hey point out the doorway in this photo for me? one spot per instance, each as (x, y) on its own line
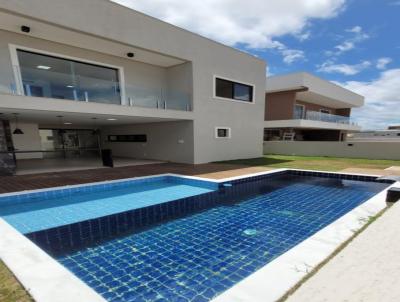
(70, 143)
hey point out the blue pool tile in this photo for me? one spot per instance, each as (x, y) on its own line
(49, 209)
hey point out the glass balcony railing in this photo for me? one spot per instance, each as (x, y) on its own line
(161, 98)
(50, 84)
(58, 85)
(323, 117)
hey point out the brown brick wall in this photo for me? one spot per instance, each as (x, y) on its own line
(279, 105)
(315, 107)
(343, 111)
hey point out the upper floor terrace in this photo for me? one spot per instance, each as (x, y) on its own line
(302, 100)
(46, 67)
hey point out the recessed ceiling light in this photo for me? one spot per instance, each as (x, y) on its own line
(67, 123)
(70, 86)
(43, 67)
(111, 119)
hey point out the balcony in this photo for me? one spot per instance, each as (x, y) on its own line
(35, 82)
(324, 117)
(314, 120)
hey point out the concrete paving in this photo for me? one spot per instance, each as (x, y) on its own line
(367, 270)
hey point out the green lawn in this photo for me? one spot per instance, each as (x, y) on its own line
(315, 162)
(10, 289)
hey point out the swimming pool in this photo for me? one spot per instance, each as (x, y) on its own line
(196, 247)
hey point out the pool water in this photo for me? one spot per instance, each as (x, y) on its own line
(200, 255)
(44, 211)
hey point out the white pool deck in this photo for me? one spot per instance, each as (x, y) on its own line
(48, 281)
(367, 270)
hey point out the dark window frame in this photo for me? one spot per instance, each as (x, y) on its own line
(227, 129)
(232, 92)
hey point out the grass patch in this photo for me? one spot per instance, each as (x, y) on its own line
(10, 289)
(314, 162)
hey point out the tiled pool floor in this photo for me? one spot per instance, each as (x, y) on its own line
(199, 256)
(39, 214)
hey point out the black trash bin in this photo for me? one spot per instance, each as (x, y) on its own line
(106, 156)
(393, 195)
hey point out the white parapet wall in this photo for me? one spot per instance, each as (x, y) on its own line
(370, 150)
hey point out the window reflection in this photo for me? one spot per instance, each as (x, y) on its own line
(54, 77)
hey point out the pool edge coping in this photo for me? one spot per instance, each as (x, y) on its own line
(45, 287)
(296, 263)
(45, 279)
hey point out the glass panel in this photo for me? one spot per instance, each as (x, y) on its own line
(232, 90)
(69, 142)
(53, 77)
(298, 112)
(243, 92)
(221, 132)
(224, 89)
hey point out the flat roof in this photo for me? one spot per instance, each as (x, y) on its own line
(318, 90)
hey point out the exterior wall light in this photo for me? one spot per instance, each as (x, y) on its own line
(25, 29)
(17, 130)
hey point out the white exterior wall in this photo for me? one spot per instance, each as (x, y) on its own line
(167, 141)
(206, 59)
(370, 150)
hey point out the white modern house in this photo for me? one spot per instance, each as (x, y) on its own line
(303, 107)
(76, 76)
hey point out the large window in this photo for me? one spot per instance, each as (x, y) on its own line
(232, 90)
(60, 78)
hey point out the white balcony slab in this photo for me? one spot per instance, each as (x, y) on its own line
(46, 110)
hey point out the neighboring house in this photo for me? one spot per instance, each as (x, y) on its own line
(71, 70)
(301, 106)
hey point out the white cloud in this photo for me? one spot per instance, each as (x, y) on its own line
(292, 55)
(356, 29)
(383, 62)
(345, 46)
(303, 36)
(357, 36)
(254, 23)
(382, 100)
(346, 69)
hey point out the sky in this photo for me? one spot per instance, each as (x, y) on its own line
(354, 43)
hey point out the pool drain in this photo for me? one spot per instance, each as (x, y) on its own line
(250, 232)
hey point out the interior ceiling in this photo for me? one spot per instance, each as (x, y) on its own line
(311, 97)
(46, 31)
(50, 118)
(62, 68)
